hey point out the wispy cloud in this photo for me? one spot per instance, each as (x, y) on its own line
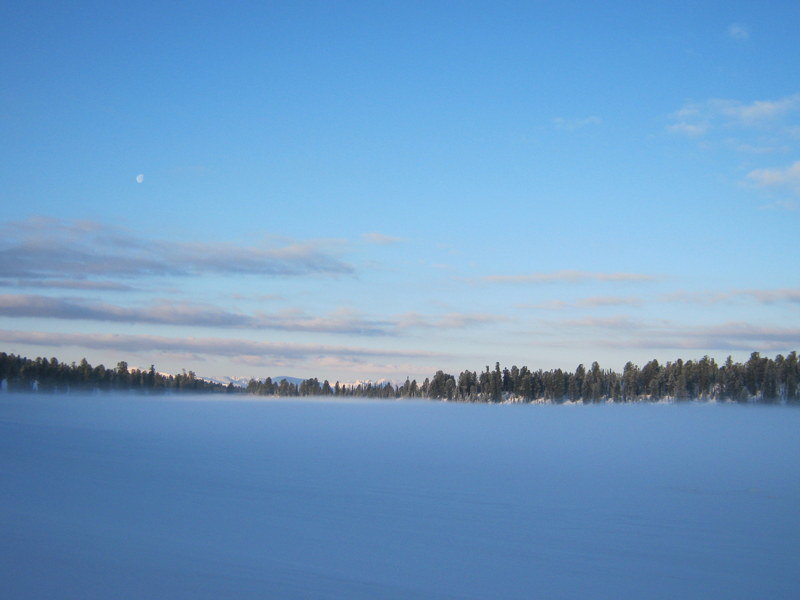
(414, 320)
(750, 296)
(546, 305)
(220, 347)
(47, 249)
(626, 333)
(731, 336)
(759, 110)
(68, 284)
(612, 323)
(342, 321)
(29, 305)
(782, 205)
(698, 118)
(257, 297)
(763, 296)
(743, 336)
(381, 239)
(565, 276)
(771, 296)
(566, 124)
(738, 32)
(782, 178)
(591, 302)
(363, 366)
(596, 301)
(756, 128)
(691, 129)
(756, 149)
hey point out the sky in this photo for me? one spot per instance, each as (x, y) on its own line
(364, 190)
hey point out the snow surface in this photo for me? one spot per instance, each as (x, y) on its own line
(183, 497)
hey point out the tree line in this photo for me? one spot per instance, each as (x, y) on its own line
(22, 374)
(312, 387)
(759, 379)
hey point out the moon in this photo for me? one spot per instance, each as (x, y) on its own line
(139, 178)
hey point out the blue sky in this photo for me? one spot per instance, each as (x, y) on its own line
(365, 190)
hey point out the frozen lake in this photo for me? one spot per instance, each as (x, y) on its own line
(122, 497)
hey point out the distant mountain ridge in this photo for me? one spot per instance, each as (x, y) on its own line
(295, 380)
(243, 381)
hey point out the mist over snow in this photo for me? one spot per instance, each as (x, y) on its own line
(199, 497)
